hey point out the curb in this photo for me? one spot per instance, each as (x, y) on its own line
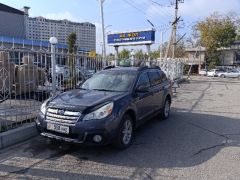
(17, 135)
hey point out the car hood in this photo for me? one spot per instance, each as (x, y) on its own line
(82, 99)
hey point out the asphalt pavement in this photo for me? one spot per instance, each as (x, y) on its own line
(200, 140)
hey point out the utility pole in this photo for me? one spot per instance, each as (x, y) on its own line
(103, 32)
(161, 45)
(173, 37)
(175, 29)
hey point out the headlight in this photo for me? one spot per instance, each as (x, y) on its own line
(100, 113)
(43, 107)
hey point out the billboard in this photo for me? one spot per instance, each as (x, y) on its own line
(131, 38)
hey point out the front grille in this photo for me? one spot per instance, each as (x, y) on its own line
(61, 116)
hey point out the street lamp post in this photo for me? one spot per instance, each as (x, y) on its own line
(103, 32)
(53, 41)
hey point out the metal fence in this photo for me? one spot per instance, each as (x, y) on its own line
(26, 80)
(173, 68)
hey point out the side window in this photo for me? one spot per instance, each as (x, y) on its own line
(143, 80)
(154, 77)
(163, 76)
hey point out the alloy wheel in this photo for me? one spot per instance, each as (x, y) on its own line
(167, 108)
(127, 132)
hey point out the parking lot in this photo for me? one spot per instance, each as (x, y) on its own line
(199, 141)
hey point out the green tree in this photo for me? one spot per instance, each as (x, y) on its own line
(71, 42)
(71, 61)
(238, 37)
(154, 54)
(139, 55)
(124, 54)
(216, 32)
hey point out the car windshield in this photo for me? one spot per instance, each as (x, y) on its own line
(111, 81)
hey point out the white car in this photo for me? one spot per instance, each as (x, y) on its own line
(202, 72)
(214, 72)
(232, 74)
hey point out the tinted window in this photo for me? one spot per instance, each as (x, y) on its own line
(163, 76)
(143, 80)
(154, 77)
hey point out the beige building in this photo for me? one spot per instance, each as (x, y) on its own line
(228, 56)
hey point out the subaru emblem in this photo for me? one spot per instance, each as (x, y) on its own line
(61, 112)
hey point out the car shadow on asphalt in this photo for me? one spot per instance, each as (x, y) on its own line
(184, 140)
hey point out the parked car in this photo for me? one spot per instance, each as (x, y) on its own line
(214, 72)
(107, 107)
(202, 72)
(233, 74)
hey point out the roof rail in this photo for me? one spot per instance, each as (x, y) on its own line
(142, 68)
(154, 67)
(109, 67)
(147, 67)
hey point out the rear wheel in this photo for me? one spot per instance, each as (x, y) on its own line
(222, 76)
(166, 109)
(125, 134)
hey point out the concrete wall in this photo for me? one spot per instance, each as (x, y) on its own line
(199, 59)
(12, 25)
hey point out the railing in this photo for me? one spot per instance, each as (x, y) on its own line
(26, 80)
(173, 68)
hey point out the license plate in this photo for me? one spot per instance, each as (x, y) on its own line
(58, 128)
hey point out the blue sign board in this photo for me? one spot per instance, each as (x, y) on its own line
(132, 38)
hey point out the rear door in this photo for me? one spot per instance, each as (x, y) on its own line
(157, 88)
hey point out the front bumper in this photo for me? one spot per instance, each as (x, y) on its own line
(57, 137)
(83, 132)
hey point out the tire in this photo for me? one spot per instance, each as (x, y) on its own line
(124, 140)
(165, 112)
(222, 76)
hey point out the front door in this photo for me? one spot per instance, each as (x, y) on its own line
(144, 100)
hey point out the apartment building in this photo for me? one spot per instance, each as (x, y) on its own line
(16, 23)
(40, 28)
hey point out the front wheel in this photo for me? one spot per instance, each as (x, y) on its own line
(125, 134)
(222, 76)
(166, 109)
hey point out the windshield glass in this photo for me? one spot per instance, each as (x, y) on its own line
(111, 81)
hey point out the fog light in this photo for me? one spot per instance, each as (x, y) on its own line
(97, 138)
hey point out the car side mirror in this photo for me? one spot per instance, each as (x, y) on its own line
(142, 89)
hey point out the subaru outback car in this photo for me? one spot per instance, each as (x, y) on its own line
(108, 107)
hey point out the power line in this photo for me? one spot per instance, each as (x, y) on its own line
(131, 3)
(154, 2)
(135, 7)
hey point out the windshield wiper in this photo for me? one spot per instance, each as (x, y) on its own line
(102, 89)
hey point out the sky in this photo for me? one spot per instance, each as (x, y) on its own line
(127, 15)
